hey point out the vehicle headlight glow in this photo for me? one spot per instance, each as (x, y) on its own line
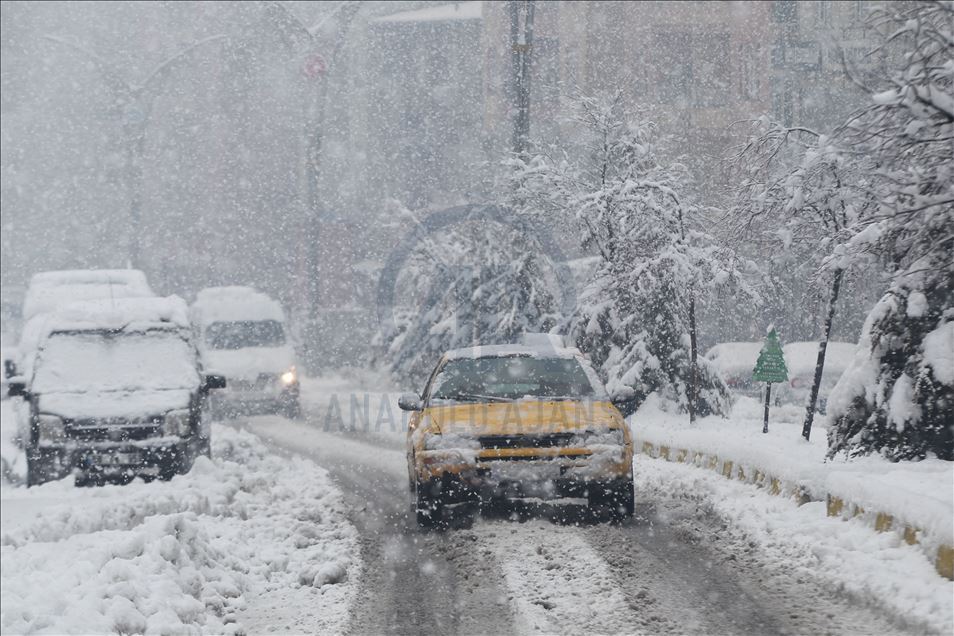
(176, 423)
(289, 376)
(51, 428)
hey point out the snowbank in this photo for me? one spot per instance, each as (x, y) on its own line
(187, 556)
(919, 494)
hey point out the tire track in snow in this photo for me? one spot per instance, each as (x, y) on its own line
(558, 583)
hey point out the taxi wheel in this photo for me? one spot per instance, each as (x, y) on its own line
(618, 496)
(429, 505)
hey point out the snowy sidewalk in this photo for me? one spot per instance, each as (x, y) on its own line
(917, 495)
(195, 554)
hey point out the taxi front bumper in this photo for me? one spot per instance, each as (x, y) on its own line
(563, 472)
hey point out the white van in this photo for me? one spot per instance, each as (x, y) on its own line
(242, 336)
(49, 291)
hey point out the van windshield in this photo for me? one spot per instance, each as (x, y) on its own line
(76, 362)
(245, 333)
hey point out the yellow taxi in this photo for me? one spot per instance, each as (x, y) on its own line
(509, 421)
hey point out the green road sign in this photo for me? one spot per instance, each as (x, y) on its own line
(771, 363)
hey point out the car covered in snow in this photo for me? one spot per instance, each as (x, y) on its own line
(508, 421)
(801, 359)
(735, 362)
(115, 390)
(242, 335)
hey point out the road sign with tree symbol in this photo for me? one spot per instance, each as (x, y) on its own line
(769, 368)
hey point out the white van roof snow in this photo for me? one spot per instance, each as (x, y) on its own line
(225, 304)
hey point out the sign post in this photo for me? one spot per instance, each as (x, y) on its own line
(770, 368)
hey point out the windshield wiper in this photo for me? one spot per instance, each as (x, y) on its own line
(474, 397)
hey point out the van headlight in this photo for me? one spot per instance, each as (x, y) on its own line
(176, 423)
(289, 377)
(51, 429)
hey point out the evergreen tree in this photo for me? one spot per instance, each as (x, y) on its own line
(898, 396)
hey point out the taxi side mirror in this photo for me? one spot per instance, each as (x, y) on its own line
(410, 402)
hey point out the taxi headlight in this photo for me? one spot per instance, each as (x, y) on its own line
(51, 428)
(433, 441)
(289, 376)
(610, 437)
(176, 423)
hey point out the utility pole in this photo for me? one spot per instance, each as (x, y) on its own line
(135, 102)
(521, 46)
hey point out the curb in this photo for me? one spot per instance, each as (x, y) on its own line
(835, 506)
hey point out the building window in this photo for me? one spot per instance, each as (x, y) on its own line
(713, 78)
(784, 11)
(674, 67)
(750, 72)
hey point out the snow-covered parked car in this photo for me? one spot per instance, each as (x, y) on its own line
(735, 362)
(115, 390)
(242, 335)
(801, 358)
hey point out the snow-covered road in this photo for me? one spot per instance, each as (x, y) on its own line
(676, 568)
(293, 528)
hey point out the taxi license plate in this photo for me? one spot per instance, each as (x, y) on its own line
(525, 471)
(114, 459)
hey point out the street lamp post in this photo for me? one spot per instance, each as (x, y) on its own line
(316, 102)
(136, 101)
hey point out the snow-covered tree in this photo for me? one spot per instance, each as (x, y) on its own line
(476, 281)
(898, 396)
(802, 194)
(636, 318)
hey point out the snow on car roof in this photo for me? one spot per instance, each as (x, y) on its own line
(120, 313)
(48, 297)
(734, 357)
(235, 303)
(801, 357)
(129, 277)
(499, 351)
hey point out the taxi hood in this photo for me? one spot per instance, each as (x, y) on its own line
(521, 417)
